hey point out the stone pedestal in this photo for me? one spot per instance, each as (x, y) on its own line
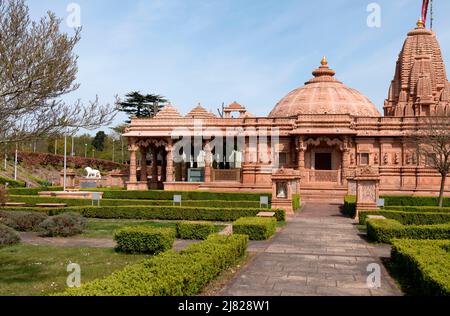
(137, 186)
(367, 189)
(285, 183)
(117, 179)
(70, 178)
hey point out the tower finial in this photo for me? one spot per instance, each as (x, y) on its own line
(324, 61)
(420, 24)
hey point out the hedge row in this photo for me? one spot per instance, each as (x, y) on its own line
(156, 212)
(413, 201)
(31, 191)
(425, 264)
(171, 274)
(422, 209)
(257, 228)
(33, 200)
(142, 239)
(195, 230)
(388, 229)
(11, 182)
(409, 218)
(349, 206)
(186, 195)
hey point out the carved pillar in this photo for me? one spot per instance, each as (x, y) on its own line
(144, 151)
(154, 167)
(208, 162)
(133, 149)
(169, 161)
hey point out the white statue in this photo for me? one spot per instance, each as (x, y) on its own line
(92, 174)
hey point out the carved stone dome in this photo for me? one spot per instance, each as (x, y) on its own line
(324, 94)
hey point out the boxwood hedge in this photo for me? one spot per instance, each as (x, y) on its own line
(404, 200)
(33, 200)
(11, 182)
(409, 218)
(349, 206)
(143, 239)
(385, 230)
(424, 265)
(171, 274)
(257, 228)
(195, 230)
(156, 212)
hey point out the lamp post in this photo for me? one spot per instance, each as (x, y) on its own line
(65, 161)
(72, 152)
(93, 152)
(113, 150)
(85, 150)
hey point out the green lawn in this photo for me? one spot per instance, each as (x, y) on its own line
(103, 228)
(27, 270)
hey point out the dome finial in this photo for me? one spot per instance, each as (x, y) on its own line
(420, 24)
(324, 61)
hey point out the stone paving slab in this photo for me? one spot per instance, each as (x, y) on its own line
(318, 253)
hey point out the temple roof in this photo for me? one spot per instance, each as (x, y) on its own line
(168, 112)
(324, 94)
(420, 85)
(200, 112)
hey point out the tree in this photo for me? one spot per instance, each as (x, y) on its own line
(432, 143)
(38, 67)
(99, 141)
(142, 106)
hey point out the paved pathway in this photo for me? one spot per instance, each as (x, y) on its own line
(319, 252)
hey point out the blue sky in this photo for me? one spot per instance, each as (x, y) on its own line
(250, 51)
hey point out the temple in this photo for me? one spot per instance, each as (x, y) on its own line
(318, 136)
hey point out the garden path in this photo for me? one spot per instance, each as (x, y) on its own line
(319, 252)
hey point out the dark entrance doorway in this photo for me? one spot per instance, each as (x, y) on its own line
(323, 161)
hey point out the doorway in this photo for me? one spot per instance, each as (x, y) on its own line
(323, 161)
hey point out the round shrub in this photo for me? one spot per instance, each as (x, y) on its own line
(23, 221)
(64, 225)
(142, 239)
(8, 236)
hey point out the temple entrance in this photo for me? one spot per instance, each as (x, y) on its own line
(323, 161)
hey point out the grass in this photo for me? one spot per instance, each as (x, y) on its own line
(104, 228)
(27, 270)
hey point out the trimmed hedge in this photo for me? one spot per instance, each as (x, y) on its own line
(195, 230)
(257, 228)
(32, 191)
(296, 202)
(425, 264)
(349, 205)
(386, 230)
(33, 200)
(11, 182)
(142, 239)
(409, 218)
(422, 209)
(156, 212)
(171, 274)
(186, 195)
(405, 200)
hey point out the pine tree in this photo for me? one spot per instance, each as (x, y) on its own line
(142, 106)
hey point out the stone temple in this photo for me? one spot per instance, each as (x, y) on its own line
(319, 137)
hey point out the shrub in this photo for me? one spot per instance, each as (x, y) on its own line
(8, 236)
(194, 230)
(63, 225)
(171, 274)
(409, 218)
(23, 221)
(186, 195)
(349, 206)
(413, 201)
(141, 239)
(11, 182)
(33, 200)
(434, 209)
(157, 212)
(296, 202)
(32, 191)
(386, 230)
(257, 228)
(424, 264)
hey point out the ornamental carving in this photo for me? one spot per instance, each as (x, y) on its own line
(366, 171)
(145, 143)
(367, 192)
(343, 146)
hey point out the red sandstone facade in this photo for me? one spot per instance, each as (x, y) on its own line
(325, 131)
